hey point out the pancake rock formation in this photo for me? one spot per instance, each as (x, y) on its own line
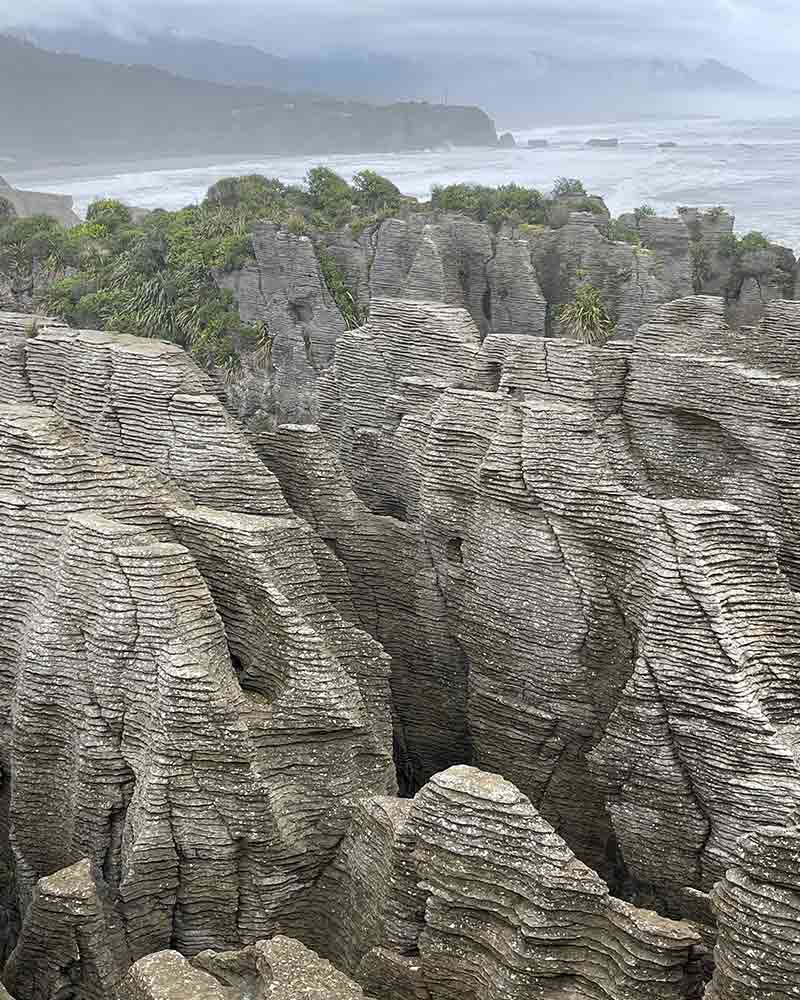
(512, 281)
(543, 590)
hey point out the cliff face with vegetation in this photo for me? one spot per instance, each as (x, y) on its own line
(67, 108)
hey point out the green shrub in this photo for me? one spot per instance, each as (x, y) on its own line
(110, 214)
(511, 203)
(330, 195)
(565, 186)
(620, 233)
(700, 260)
(375, 194)
(643, 212)
(341, 294)
(586, 318)
(731, 245)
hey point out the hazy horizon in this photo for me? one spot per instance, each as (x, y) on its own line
(759, 37)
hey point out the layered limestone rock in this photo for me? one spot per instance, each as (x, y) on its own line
(632, 280)
(396, 594)
(71, 943)
(284, 290)
(756, 906)
(574, 567)
(187, 699)
(281, 968)
(468, 893)
(748, 279)
(614, 545)
(512, 283)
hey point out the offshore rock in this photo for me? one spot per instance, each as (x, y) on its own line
(187, 699)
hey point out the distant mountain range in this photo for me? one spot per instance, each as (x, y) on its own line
(541, 86)
(69, 108)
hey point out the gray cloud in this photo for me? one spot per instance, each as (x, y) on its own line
(760, 36)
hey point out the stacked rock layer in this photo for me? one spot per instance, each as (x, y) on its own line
(570, 566)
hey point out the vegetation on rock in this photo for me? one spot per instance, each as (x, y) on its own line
(335, 282)
(735, 246)
(586, 318)
(155, 275)
(620, 233)
(567, 186)
(700, 260)
(510, 203)
(643, 212)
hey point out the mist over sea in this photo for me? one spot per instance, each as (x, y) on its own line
(751, 167)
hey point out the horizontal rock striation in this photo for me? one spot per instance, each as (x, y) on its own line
(614, 548)
(511, 283)
(573, 567)
(186, 697)
(467, 892)
(71, 941)
(756, 906)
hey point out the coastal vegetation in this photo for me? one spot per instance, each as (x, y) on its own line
(155, 274)
(586, 318)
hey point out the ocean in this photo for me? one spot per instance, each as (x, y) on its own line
(751, 167)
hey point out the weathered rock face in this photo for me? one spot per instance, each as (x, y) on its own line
(606, 527)
(509, 285)
(630, 278)
(281, 969)
(756, 907)
(187, 699)
(285, 291)
(748, 280)
(573, 567)
(467, 893)
(71, 940)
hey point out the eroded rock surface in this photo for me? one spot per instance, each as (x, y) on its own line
(595, 565)
(187, 698)
(467, 892)
(573, 567)
(510, 283)
(282, 969)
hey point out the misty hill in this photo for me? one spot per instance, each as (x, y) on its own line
(71, 108)
(195, 58)
(541, 86)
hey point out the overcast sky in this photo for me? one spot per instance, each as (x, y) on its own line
(759, 36)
